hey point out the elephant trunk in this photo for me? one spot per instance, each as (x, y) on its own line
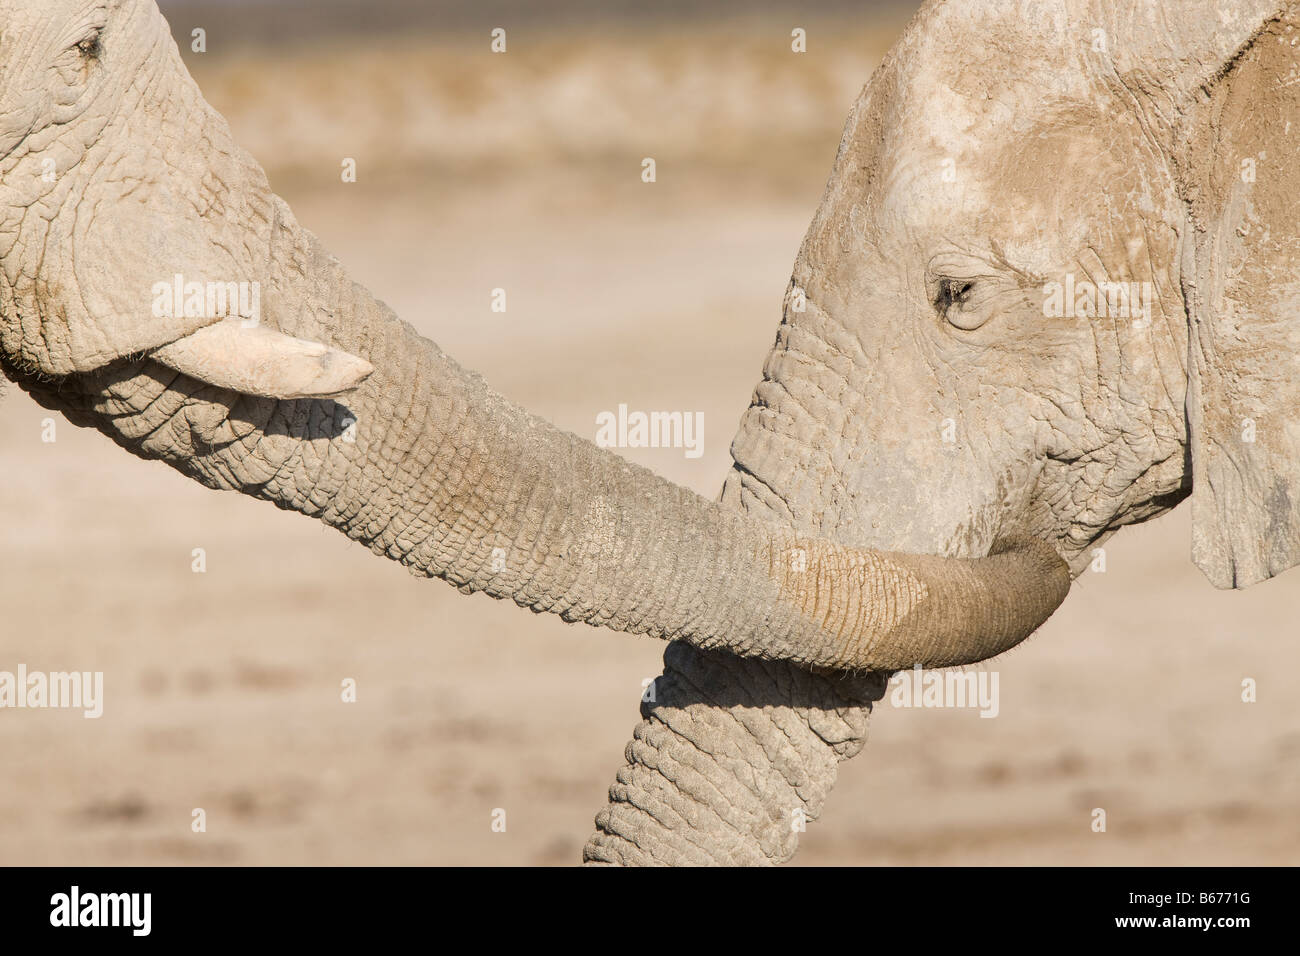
(425, 464)
(731, 760)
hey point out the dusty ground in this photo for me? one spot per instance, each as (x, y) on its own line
(222, 689)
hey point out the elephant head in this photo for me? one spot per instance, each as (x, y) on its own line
(1051, 289)
(1020, 306)
(103, 187)
(130, 223)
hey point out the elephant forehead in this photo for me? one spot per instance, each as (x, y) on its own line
(21, 17)
(966, 79)
(978, 48)
(1043, 190)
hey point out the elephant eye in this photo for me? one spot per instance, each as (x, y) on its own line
(953, 292)
(965, 303)
(967, 290)
(958, 301)
(91, 46)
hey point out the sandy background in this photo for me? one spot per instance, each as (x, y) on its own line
(523, 171)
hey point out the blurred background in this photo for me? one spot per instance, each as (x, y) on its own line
(522, 171)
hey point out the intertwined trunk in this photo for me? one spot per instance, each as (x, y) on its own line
(733, 758)
(427, 465)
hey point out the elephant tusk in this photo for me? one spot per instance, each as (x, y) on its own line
(256, 360)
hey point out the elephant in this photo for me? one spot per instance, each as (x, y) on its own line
(1035, 305)
(1007, 162)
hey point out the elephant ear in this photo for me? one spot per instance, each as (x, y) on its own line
(1241, 279)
